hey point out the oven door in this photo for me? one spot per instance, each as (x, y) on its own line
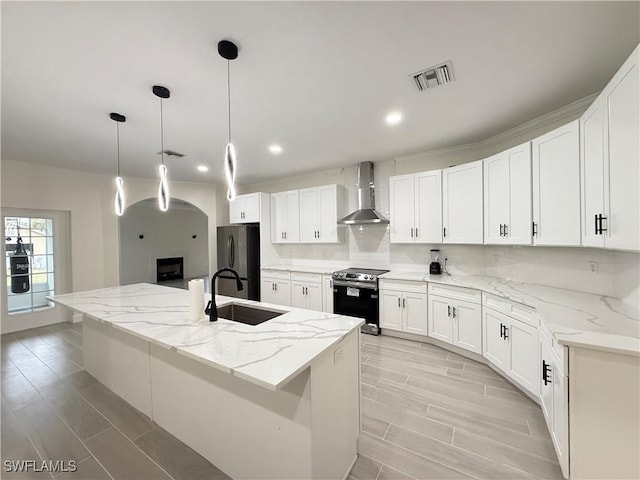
(357, 302)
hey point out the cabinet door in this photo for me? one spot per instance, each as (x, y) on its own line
(496, 348)
(327, 214)
(390, 309)
(278, 217)
(268, 291)
(622, 100)
(415, 312)
(556, 187)
(462, 215)
(467, 326)
(518, 230)
(235, 210)
(327, 294)
(283, 293)
(428, 207)
(546, 389)
(439, 319)
(592, 172)
(560, 430)
(401, 209)
(251, 209)
(523, 353)
(496, 198)
(309, 215)
(298, 296)
(313, 295)
(292, 230)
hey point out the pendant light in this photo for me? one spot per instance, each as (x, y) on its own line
(229, 51)
(118, 202)
(163, 187)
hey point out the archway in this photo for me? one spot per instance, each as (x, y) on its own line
(163, 247)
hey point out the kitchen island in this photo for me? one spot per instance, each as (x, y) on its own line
(276, 400)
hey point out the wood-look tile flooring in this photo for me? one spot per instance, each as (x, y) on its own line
(427, 414)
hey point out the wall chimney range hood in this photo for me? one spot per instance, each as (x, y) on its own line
(366, 213)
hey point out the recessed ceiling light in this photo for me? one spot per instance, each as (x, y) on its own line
(393, 118)
(202, 168)
(275, 149)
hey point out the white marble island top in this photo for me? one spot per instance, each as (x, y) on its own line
(270, 354)
(575, 318)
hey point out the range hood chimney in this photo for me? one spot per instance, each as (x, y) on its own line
(366, 212)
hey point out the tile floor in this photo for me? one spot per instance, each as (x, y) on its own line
(427, 414)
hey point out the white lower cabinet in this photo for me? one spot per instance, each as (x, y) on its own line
(306, 291)
(403, 306)
(512, 344)
(276, 287)
(455, 318)
(327, 294)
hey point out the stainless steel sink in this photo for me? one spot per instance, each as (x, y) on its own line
(245, 314)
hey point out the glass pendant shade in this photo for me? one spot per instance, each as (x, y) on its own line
(230, 159)
(163, 189)
(118, 203)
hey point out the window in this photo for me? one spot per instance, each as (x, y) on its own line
(37, 241)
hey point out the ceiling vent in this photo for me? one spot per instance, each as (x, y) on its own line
(434, 76)
(172, 153)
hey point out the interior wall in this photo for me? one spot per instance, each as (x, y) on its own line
(166, 234)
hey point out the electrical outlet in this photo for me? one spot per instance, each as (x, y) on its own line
(594, 267)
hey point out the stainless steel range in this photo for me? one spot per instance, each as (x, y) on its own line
(355, 293)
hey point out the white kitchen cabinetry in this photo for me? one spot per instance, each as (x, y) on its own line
(319, 214)
(306, 290)
(415, 204)
(403, 306)
(554, 396)
(511, 340)
(507, 197)
(462, 213)
(246, 208)
(455, 316)
(276, 287)
(285, 220)
(556, 187)
(327, 293)
(610, 148)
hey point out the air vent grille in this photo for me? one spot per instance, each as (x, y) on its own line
(172, 153)
(434, 76)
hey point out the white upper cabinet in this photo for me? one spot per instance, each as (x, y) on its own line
(415, 202)
(285, 224)
(319, 214)
(245, 208)
(556, 187)
(462, 198)
(622, 156)
(507, 197)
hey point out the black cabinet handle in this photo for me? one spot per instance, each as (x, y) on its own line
(600, 228)
(501, 230)
(595, 220)
(454, 312)
(534, 229)
(444, 232)
(506, 332)
(501, 330)
(398, 302)
(506, 230)
(411, 232)
(448, 310)
(546, 368)
(416, 232)
(403, 303)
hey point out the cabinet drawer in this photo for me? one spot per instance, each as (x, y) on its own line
(403, 286)
(456, 293)
(276, 274)
(306, 277)
(522, 312)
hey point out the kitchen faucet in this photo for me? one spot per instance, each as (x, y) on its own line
(212, 309)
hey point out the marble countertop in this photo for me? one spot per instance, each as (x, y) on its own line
(575, 318)
(270, 354)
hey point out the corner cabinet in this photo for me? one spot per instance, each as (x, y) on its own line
(246, 208)
(462, 198)
(285, 222)
(403, 306)
(319, 214)
(455, 316)
(556, 187)
(610, 153)
(415, 205)
(507, 197)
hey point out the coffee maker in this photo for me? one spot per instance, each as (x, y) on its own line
(434, 266)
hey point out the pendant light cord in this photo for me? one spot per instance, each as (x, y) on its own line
(161, 134)
(118, 143)
(229, 99)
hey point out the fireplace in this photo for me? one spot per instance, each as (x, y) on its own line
(169, 269)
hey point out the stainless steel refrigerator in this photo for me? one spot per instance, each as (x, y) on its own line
(239, 249)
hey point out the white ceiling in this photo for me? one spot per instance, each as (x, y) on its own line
(315, 77)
